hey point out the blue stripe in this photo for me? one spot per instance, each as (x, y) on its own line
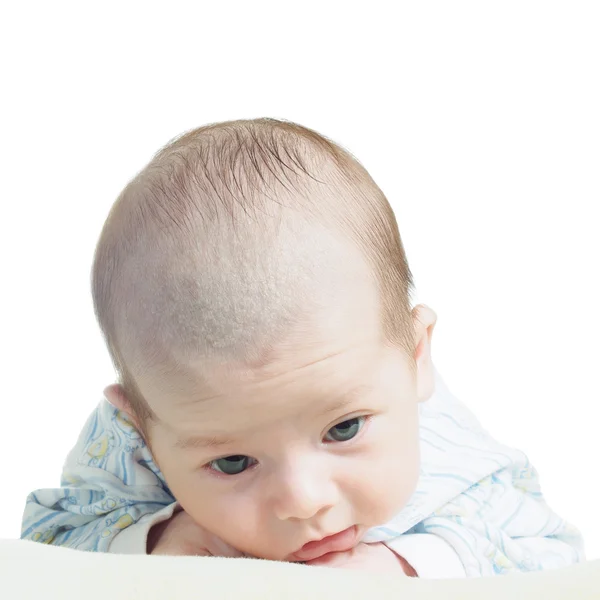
(388, 531)
(68, 535)
(514, 514)
(478, 450)
(90, 437)
(472, 499)
(433, 445)
(496, 479)
(502, 547)
(451, 476)
(539, 533)
(125, 472)
(557, 528)
(451, 418)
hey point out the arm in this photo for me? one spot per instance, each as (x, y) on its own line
(375, 558)
(502, 525)
(110, 484)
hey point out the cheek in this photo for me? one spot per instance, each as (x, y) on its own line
(232, 516)
(188, 486)
(391, 469)
(222, 509)
(223, 513)
(183, 478)
(388, 488)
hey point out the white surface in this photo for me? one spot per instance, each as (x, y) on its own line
(97, 576)
(479, 121)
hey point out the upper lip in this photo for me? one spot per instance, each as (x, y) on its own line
(334, 545)
(321, 537)
(315, 539)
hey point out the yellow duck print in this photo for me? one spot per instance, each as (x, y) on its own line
(122, 522)
(43, 537)
(99, 447)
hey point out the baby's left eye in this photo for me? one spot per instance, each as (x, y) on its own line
(232, 465)
(346, 430)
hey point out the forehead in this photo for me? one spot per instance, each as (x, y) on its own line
(264, 415)
(330, 350)
(304, 383)
(308, 382)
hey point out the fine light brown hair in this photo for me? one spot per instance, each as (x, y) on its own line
(219, 186)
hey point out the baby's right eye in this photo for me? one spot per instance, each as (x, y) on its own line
(231, 465)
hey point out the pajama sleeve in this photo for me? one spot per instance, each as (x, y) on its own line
(429, 555)
(500, 525)
(110, 486)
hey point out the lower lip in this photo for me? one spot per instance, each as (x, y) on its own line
(340, 542)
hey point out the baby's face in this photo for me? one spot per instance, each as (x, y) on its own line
(325, 437)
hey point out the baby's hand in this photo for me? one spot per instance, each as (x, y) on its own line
(376, 558)
(182, 536)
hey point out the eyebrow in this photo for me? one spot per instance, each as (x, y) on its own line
(203, 441)
(347, 399)
(215, 441)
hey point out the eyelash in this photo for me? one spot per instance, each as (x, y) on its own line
(365, 419)
(219, 474)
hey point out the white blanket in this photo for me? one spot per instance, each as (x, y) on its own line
(31, 570)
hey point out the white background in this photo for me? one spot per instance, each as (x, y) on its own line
(479, 120)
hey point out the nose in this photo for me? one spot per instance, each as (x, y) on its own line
(302, 491)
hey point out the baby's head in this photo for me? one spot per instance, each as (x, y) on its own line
(254, 294)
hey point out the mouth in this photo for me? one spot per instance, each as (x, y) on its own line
(338, 542)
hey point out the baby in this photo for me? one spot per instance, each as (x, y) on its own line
(277, 396)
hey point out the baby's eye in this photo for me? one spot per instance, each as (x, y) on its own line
(346, 430)
(231, 465)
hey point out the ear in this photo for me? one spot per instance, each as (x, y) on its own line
(424, 321)
(115, 394)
